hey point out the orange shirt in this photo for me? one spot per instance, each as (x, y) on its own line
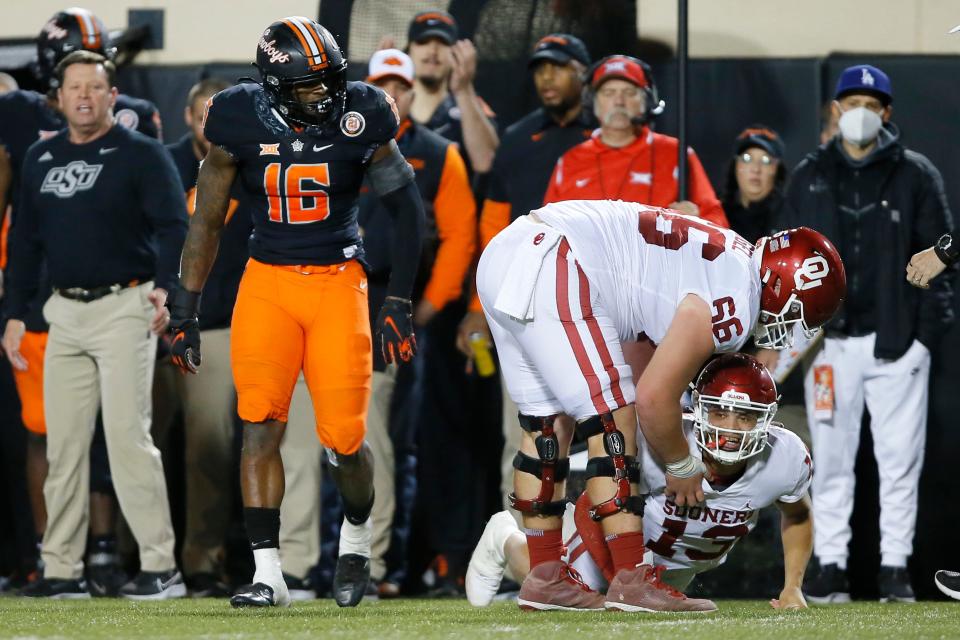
(644, 171)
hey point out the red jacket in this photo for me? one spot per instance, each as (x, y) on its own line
(644, 171)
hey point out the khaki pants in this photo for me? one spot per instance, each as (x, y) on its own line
(300, 509)
(101, 354)
(384, 468)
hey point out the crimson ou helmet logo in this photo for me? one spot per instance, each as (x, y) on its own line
(65, 181)
(811, 273)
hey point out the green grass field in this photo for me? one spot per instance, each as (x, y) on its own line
(423, 619)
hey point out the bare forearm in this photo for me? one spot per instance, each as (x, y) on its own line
(797, 537)
(479, 136)
(199, 253)
(661, 426)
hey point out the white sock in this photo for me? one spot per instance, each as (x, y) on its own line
(356, 538)
(268, 567)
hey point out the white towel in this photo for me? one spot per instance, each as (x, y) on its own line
(516, 296)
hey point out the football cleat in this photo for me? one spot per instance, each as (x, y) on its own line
(641, 590)
(894, 583)
(488, 562)
(350, 580)
(155, 585)
(259, 594)
(948, 582)
(828, 586)
(56, 589)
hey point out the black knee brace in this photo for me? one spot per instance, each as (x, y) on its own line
(550, 468)
(623, 469)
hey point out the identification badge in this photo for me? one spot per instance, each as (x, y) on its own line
(823, 398)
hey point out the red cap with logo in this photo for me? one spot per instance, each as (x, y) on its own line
(623, 67)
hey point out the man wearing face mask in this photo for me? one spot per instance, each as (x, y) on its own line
(880, 203)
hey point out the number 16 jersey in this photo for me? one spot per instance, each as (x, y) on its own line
(302, 185)
(644, 260)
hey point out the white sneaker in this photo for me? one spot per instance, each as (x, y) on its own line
(488, 562)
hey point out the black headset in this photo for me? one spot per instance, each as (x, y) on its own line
(654, 105)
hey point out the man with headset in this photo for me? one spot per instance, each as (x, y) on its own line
(625, 159)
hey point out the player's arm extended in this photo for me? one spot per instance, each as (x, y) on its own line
(391, 177)
(686, 346)
(796, 531)
(217, 173)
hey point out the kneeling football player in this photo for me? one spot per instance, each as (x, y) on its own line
(751, 463)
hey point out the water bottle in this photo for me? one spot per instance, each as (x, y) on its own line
(482, 357)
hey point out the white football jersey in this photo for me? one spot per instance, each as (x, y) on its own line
(644, 260)
(699, 538)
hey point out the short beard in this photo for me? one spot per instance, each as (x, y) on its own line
(559, 111)
(431, 83)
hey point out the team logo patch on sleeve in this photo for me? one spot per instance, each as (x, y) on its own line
(127, 118)
(352, 124)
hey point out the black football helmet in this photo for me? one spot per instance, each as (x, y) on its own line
(68, 31)
(296, 52)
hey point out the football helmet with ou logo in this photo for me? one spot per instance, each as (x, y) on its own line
(297, 53)
(734, 403)
(802, 283)
(68, 31)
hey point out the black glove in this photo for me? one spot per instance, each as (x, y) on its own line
(185, 329)
(394, 331)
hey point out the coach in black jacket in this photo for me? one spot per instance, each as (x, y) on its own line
(879, 203)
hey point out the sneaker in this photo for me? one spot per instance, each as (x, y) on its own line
(488, 562)
(155, 585)
(56, 589)
(207, 585)
(351, 579)
(260, 595)
(556, 586)
(641, 590)
(299, 590)
(948, 582)
(894, 583)
(828, 586)
(104, 575)
(388, 589)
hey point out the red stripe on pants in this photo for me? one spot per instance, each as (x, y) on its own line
(570, 327)
(598, 340)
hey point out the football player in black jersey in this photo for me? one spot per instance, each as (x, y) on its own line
(300, 142)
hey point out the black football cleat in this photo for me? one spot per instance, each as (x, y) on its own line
(948, 582)
(56, 589)
(894, 584)
(351, 579)
(828, 586)
(259, 595)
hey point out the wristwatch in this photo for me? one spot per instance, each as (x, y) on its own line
(946, 249)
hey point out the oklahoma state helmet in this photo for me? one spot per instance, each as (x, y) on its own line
(68, 31)
(299, 52)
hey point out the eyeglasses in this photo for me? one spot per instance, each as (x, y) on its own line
(764, 160)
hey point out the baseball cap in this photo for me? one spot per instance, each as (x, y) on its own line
(390, 63)
(433, 24)
(560, 48)
(864, 78)
(623, 67)
(758, 135)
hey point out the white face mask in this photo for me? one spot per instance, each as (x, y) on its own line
(860, 126)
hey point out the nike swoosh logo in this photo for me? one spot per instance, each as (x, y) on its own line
(326, 146)
(363, 284)
(104, 152)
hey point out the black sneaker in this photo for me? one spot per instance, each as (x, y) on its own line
(894, 583)
(298, 589)
(57, 589)
(207, 585)
(351, 579)
(828, 586)
(155, 585)
(258, 595)
(948, 582)
(105, 579)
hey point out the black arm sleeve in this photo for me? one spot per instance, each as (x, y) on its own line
(26, 255)
(161, 197)
(407, 209)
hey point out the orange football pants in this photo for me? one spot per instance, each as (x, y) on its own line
(313, 318)
(30, 382)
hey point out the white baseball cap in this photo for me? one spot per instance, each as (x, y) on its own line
(390, 63)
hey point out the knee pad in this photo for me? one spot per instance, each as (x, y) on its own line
(618, 466)
(549, 467)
